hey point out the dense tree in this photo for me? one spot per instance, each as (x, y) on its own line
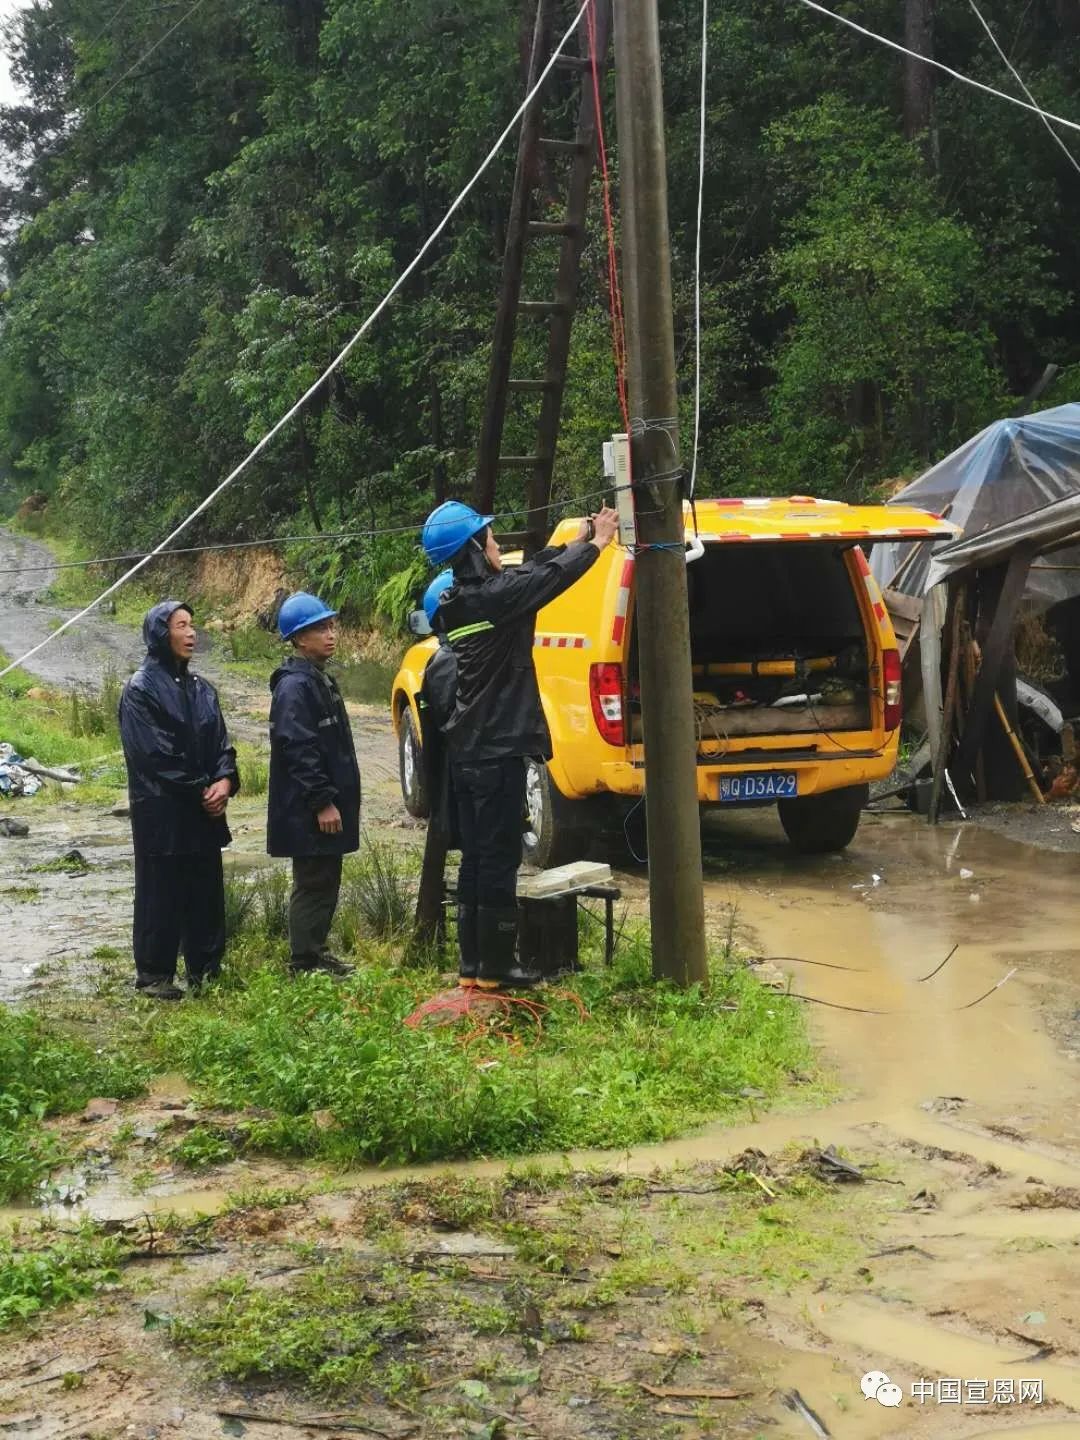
(196, 215)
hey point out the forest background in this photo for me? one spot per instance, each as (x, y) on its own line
(889, 259)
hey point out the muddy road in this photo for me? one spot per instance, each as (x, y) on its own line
(81, 655)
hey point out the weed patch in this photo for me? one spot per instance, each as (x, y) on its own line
(341, 1330)
(377, 894)
(644, 1063)
(63, 1269)
(20, 894)
(44, 1073)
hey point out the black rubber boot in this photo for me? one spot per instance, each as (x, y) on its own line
(328, 964)
(468, 934)
(499, 968)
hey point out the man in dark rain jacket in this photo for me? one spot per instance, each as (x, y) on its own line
(181, 775)
(314, 814)
(489, 617)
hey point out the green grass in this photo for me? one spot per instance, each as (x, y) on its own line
(73, 731)
(20, 894)
(45, 1072)
(37, 1278)
(340, 1330)
(646, 1063)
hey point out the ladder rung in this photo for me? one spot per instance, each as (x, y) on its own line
(522, 462)
(552, 227)
(530, 387)
(574, 62)
(562, 147)
(542, 307)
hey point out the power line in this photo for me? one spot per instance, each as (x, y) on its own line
(1017, 77)
(323, 536)
(144, 56)
(334, 365)
(937, 64)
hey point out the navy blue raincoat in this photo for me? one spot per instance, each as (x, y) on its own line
(175, 745)
(312, 763)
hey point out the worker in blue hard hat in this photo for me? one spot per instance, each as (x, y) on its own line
(314, 802)
(488, 616)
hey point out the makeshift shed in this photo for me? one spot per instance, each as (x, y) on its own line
(1013, 486)
(1009, 469)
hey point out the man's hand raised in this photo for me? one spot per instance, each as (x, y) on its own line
(605, 527)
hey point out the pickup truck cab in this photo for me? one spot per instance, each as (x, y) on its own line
(796, 676)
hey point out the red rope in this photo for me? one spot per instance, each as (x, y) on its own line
(618, 328)
(490, 1013)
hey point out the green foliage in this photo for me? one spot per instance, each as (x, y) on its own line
(339, 1330)
(645, 1063)
(201, 1147)
(44, 1072)
(65, 1269)
(378, 893)
(183, 256)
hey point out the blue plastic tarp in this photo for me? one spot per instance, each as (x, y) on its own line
(1007, 470)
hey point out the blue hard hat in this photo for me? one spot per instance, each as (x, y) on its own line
(450, 526)
(442, 582)
(301, 610)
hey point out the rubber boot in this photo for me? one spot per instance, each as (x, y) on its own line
(468, 935)
(499, 968)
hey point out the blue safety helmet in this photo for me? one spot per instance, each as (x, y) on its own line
(301, 610)
(448, 528)
(434, 592)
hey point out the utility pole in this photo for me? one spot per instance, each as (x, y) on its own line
(676, 901)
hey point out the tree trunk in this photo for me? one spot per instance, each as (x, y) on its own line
(919, 79)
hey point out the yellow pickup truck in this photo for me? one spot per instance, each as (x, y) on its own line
(796, 676)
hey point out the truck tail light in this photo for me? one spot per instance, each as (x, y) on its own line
(606, 694)
(890, 669)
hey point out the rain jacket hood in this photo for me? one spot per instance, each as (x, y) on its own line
(175, 746)
(155, 629)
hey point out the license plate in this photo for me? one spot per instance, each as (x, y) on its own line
(763, 785)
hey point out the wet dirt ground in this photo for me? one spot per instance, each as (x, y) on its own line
(964, 1093)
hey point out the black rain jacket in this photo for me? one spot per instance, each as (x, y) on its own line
(438, 694)
(490, 620)
(312, 763)
(175, 745)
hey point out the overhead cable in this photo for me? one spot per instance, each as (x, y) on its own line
(334, 365)
(323, 536)
(1019, 80)
(144, 56)
(937, 64)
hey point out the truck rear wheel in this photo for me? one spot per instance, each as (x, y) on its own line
(823, 824)
(411, 767)
(560, 831)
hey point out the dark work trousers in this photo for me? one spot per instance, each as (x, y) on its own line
(179, 902)
(314, 898)
(490, 801)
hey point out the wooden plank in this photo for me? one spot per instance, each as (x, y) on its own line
(998, 642)
(930, 627)
(941, 757)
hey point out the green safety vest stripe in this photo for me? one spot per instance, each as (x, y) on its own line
(466, 630)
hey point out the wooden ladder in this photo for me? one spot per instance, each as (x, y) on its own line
(537, 152)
